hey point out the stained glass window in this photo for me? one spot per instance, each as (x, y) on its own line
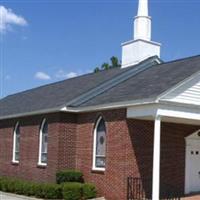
(16, 143)
(43, 143)
(100, 146)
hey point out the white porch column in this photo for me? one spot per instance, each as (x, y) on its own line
(156, 159)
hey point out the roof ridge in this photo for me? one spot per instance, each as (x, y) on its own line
(181, 59)
(132, 71)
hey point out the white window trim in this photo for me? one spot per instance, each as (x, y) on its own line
(94, 147)
(40, 144)
(14, 144)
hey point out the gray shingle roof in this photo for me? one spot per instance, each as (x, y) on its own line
(148, 83)
(54, 95)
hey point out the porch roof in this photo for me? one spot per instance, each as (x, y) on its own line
(173, 112)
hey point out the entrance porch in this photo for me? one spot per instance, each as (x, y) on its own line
(176, 154)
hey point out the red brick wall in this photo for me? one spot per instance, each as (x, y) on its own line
(67, 142)
(128, 153)
(61, 147)
(29, 145)
(129, 150)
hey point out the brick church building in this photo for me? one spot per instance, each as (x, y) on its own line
(139, 121)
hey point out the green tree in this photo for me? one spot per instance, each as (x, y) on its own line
(105, 66)
(114, 62)
(96, 70)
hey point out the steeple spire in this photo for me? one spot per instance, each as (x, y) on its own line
(142, 23)
(143, 8)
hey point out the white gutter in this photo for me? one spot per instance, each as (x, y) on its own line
(179, 104)
(44, 111)
(64, 108)
(109, 106)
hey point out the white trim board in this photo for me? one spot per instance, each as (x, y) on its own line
(182, 114)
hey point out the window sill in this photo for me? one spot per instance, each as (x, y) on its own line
(40, 165)
(15, 162)
(98, 170)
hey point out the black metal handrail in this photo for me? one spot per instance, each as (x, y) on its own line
(141, 189)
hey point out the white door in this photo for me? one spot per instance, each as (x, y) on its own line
(192, 166)
(194, 169)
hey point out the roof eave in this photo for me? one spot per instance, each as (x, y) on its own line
(110, 106)
(66, 109)
(26, 114)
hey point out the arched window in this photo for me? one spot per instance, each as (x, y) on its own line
(99, 146)
(16, 143)
(43, 143)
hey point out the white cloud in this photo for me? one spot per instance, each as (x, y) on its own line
(72, 74)
(9, 18)
(42, 76)
(63, 75)
(59, 75)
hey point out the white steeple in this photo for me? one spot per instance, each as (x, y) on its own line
(143, 8)
(142, 23)
(141, 47)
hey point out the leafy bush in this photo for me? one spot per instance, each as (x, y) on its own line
(52, 191)
(41, 190)
(77, 191)
(69, 176)
(72, 191)
(45, 190)
(17, 186)
(89, 191)
(7, 185)
(29, 189)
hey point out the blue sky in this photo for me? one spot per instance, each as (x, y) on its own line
(60, 39)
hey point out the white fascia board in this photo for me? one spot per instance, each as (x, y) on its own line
(135, 109)
(182, 113)
(164, 110)
(140, 111)
(178, 104)
(64, 108)
(44, 111)
(109, 106)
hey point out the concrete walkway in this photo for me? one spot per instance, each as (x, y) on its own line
(10, 196)
(195, 197)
